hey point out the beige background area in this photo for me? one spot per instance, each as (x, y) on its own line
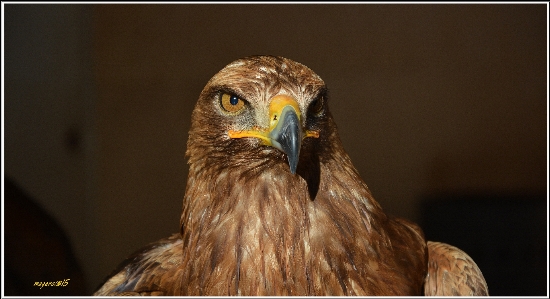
(428, 99)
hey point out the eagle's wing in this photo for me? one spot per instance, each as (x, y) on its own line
(451, 272)
(153, 271)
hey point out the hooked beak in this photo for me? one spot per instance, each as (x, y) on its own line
(285, 130)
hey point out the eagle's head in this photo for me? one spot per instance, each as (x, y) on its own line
(261, 111)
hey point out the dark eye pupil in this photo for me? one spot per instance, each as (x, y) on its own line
(234, 100)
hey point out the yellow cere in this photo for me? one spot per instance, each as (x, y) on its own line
(276, 107)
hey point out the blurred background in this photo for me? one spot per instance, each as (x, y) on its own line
(442, 108)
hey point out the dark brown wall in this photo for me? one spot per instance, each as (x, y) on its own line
(428, 99)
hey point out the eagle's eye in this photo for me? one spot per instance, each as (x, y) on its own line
(231, 103)
(317, 106)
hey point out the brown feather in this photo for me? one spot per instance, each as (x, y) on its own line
(451, 272)
(251, 227)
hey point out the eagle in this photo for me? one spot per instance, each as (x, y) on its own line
(274, 206)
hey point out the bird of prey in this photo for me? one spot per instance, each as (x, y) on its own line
(274, 206)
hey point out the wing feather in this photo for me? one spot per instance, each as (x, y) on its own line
(153, 270)
(451, 272)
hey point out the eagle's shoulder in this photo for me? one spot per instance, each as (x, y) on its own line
(451, 272)
(147, 271)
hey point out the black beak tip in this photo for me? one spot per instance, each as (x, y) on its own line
(293, 165)
(290, 145)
